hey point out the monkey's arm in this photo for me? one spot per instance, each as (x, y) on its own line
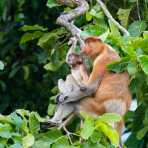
(91, 84)
(84, 73)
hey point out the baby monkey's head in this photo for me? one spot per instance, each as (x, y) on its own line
(75, 60)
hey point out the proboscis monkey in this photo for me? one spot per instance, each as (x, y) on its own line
(112, 94)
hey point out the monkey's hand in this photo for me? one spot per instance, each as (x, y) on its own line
(61, 98)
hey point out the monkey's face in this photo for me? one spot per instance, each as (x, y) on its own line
(74, 60)
(92, 48)
(86, 49)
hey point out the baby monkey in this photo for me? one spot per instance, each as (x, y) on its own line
(79, 74)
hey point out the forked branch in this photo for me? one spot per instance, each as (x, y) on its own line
(66, 19)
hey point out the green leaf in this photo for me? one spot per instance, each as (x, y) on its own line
(52, 3)
(88, 127)
(34, 124)
(136, 28)
(26, 71)
(26, 37)
(123, 15)
(132, 68)
(132, 141)
(62, 142)
(16, 120)
(96, 137)
(16, 145)
(110, 117)
(97, 13)
(1, 65)
(30, 36)
(114, 30)
(5, 131)
(33, 28)
(28, 141)
(92, 145)
(51, 109)
(88, 16)
(104, 36)
(110, 132)
(94, 30)
(118, 66)
(143, 59)
(53, 67)
(141, 133)
(44, 140)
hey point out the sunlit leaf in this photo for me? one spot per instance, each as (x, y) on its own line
(33, 28)
(123, 15)
(28, 141)
(51, 109)
(110, 117)
(34, 124)
(87, 128)
(110, 132)
(137, 27)
(144, 63)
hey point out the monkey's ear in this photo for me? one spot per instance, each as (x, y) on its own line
(92, 39)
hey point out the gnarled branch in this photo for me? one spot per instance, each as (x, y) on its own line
(66, 19)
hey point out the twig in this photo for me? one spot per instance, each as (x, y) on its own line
(107, 13)
(138, 11)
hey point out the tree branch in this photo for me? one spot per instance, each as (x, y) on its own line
(66, 19)
(107, 13)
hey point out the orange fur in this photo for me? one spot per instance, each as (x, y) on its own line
(113, 94)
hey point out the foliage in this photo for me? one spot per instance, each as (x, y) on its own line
(32, 59)
(22, 129)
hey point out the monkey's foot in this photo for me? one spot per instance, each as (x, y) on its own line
(46, 125)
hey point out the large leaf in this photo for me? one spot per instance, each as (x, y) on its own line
(118, 66)
(16, 120)
(28, 141)
(53, 67)
(110, 117)
(123, 15)
(5, 131)
(30, 36)
(137, 27)
(34, 124)
(88, 127)
(44, 140)
(143, 59)
(110, 132)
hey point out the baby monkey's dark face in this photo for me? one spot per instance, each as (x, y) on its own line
(75, 60)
